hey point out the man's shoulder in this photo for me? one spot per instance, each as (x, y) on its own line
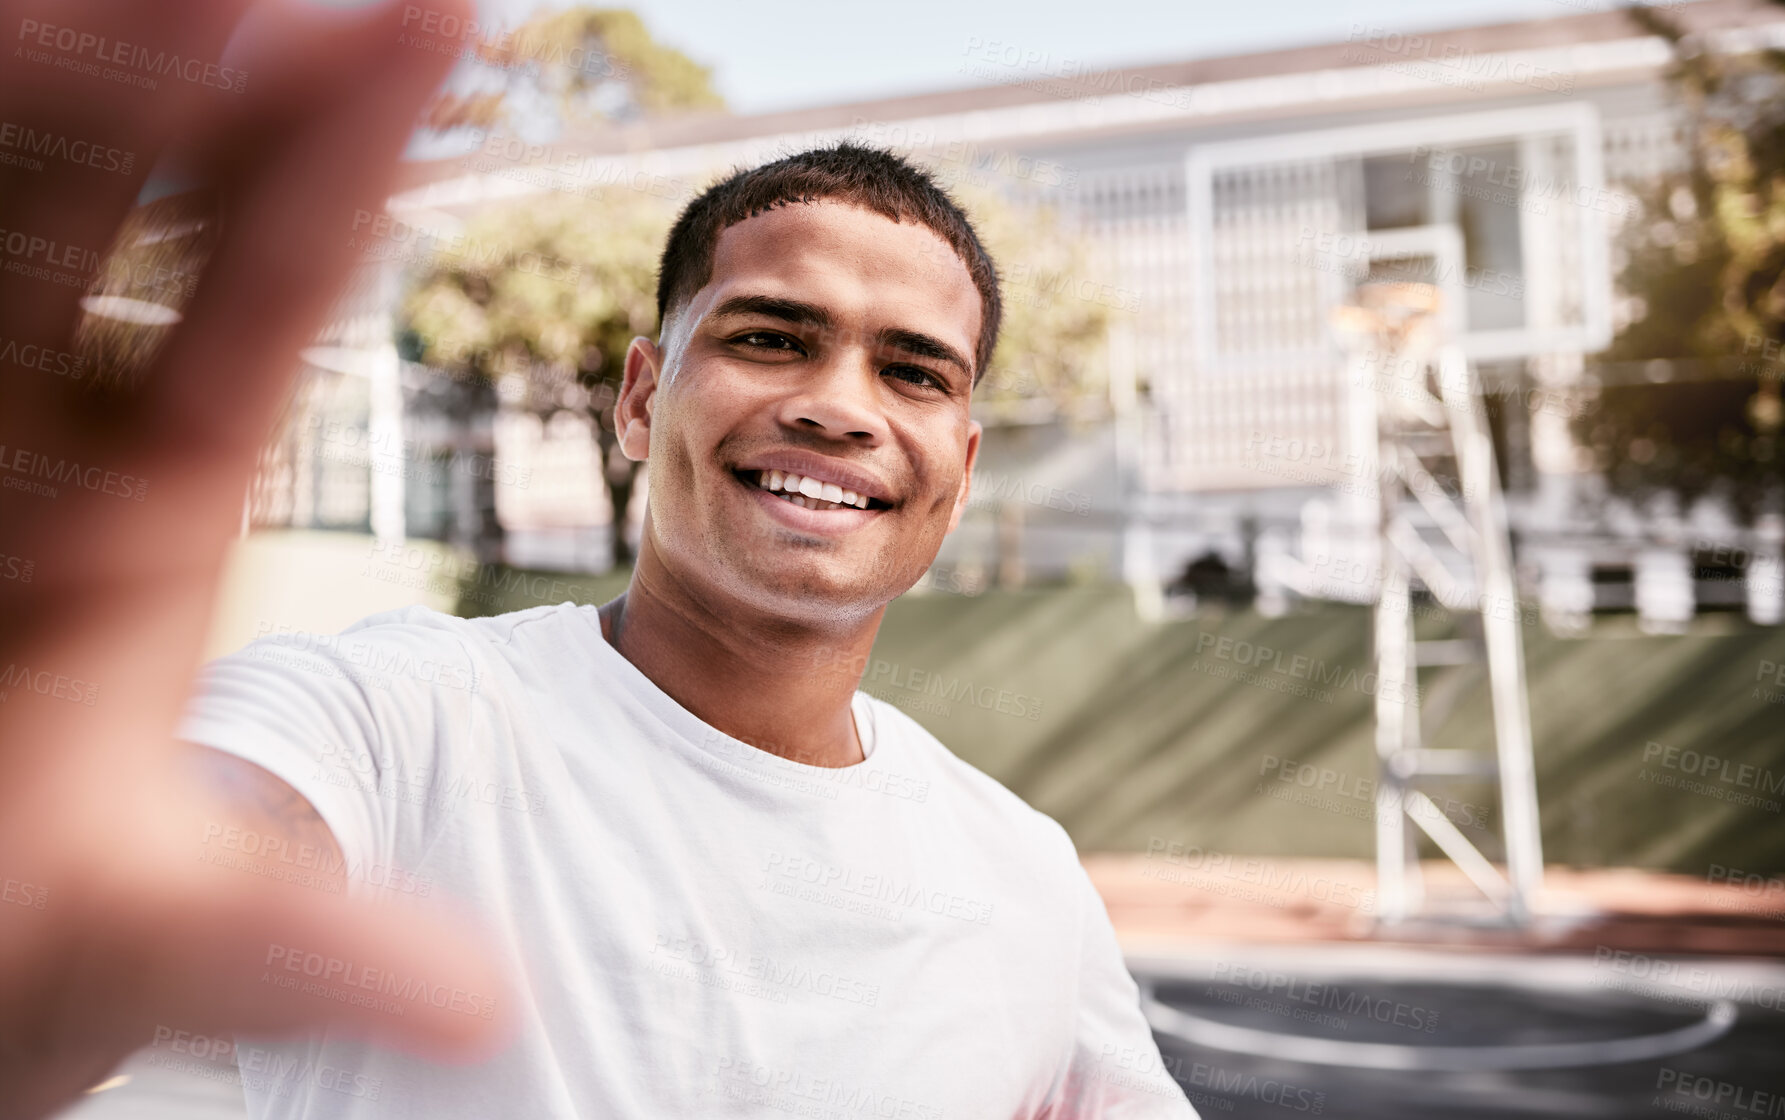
(394, 651)
(492, 628)
(975, 792)
(479, 635)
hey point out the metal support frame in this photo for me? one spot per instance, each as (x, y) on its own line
(1412, 424)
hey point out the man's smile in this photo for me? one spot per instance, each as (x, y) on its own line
(829, 494)
(813, 493)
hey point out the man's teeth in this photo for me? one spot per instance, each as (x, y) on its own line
(809, 492)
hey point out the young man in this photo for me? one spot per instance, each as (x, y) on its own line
(725, 879)
(712, 876)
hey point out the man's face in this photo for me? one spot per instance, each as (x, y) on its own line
(833, 345)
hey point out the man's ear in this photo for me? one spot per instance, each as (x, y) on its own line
(638, 392)
(960, 501)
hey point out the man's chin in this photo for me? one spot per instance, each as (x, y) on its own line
(812, 592)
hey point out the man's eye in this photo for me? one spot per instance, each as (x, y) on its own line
(916, 376)
(766, 340)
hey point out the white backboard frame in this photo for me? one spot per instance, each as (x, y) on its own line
(1578, 120)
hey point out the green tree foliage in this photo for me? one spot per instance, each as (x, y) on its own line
(586, 63)
(1059, 304)
(560, 286)
(1690, 401)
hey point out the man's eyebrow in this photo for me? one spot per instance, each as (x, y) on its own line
(924, 346)
(787, 310)
(812, 315)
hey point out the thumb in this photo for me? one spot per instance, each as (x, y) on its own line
(273, 958)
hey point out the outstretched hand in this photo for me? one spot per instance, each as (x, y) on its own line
(117, 506)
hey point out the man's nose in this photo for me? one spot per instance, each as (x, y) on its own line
(839, 397)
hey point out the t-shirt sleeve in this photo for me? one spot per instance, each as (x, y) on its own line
(1115, 1070)
(359, 723)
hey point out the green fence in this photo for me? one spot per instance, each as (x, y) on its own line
(1252, 735)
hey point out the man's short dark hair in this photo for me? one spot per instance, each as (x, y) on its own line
(866, 177)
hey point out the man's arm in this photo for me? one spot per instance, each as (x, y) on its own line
(126, 933)
(261, 804)
(1114, 1069)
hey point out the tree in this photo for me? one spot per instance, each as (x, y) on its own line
(1059, 304)
(562, 329)
(1691, 403)
(571, 280)
(577, 63)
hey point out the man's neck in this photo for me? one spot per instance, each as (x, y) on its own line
(785, 689)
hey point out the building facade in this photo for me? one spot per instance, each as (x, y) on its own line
(1235, 203)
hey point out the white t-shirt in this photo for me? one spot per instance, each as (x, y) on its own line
(699, 927)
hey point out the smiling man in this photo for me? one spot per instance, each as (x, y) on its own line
(725, 881)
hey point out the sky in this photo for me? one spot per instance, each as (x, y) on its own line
(785, 54)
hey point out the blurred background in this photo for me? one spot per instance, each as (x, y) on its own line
(1377, 552)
